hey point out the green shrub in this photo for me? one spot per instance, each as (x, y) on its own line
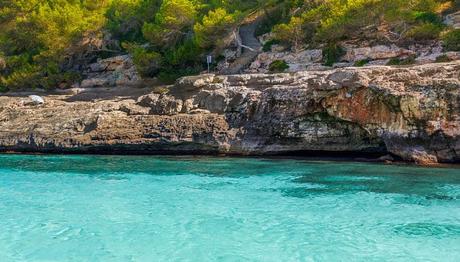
(278, 66)
(3, 87)
(147, 62)
(427, 17)
(38, 38)
(425, 31)
(215, 26)
(267, 25)
(361, 63)
(332, 54)
(277, 15)
(26, 76)
(344, 19)
(169, 74)
(292, 33)
(126, 17)
(443, 59)
(2, 63)
(404, 61)
(451, 40)
(268, 45)
(394, 61)
(172, 22)
(335, 20)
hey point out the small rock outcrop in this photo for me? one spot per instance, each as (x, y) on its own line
(453, 20)
(296, 61)
(378, 52)
(111, 72)
(409, 112)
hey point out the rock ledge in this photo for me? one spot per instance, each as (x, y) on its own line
(410, 112)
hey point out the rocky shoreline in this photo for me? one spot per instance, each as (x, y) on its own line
(412, 113)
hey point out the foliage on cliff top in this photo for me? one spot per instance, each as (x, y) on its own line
(34, 34)
(45, 43)
(40, 39)
(386, 20)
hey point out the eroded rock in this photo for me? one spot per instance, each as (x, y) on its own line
(378, 52)
(409, 112)
(296, 61)
(453, 20)
(111, 72)
(161, 104)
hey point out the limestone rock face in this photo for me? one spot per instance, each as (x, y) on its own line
(453, 20)
(378, 52)
(409, 112)
(111, 72)
(161, 104)
(312, 59)
(296, 61)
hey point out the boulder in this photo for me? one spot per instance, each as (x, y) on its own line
(421, 157)
(161, 104)
(34, 100)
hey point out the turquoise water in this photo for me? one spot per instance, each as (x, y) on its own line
(111, 208)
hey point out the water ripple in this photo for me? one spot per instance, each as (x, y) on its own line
(113, 208)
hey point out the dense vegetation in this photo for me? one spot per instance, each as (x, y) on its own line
(44, 43)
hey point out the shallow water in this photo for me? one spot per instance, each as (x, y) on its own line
(113, 208)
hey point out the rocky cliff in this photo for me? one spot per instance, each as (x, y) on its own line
(410, 112)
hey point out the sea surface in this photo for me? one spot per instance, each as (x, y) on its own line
(129, 208)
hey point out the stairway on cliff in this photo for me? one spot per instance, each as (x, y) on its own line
(251, 47)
